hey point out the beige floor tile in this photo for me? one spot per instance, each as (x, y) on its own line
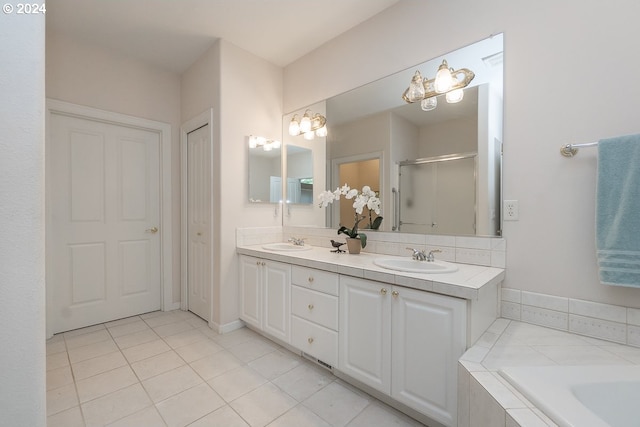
(57, 360)
(114, 406)
(336, 404)
(163, 318)
(252, 349)
(189, 406)
(276, 363)
(93, 350)
(184, 338)
(56, 347)
(300, 416)
(105, 383)
(197, 322)
(136, 338)
(61, 399)
(209, 332)
(236, 337)
(157, 365)
(216, 364)
(148, 417)
(378, 414)
(263, 405)
(128, 328)
(304, 380)
(82, 331)
(69, 418)
(172, 328)
(98, 365)
(123, 321)
(237, 382)
(172, 382)
(223, 417)
(198, 350)
(146, 350)
(86, 339)
(59, 377)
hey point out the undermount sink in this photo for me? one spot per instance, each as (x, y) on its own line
(285, 247)
(409, 265)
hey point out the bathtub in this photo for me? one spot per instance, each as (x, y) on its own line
(581, 396)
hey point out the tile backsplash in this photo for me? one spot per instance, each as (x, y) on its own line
(486, 251)
(604, 321)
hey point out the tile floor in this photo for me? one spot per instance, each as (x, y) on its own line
(170, 369)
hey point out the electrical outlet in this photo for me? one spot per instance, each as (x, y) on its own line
(510, 210)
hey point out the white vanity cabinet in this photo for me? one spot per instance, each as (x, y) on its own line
(404, 343)
(314, 313)
(265, 296)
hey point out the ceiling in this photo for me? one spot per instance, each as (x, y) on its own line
(173, 34)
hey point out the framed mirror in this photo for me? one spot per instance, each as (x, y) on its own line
(265, 171)
(374, 122)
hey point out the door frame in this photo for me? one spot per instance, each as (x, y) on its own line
(164, 132)
(203, 119)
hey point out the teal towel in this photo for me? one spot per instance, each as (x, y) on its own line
(618, 211)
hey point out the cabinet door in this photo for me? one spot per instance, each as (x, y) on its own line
(365, 332)
(428, 338)
(250, 291)
(277, 300)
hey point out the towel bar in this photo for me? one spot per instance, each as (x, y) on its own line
(570, 150)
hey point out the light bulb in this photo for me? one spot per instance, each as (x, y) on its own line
(267, 147)
(443, 78)
(252, 141)
(294, 126)
(416, 88)
(305, 123)
(309, 135)
(322, 132)
(429, 103)
(455, 96)
(276, 144)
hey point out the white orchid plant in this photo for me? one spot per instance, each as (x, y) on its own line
(366, 197)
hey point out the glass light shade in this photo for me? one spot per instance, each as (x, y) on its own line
(429, 103)
(416, 88)
(444, 80)
(309, 135)
(276, 144)
(455, 96)
(267, 147)
(322, 132)
(294, 126)
(253, 143)
(305, 123)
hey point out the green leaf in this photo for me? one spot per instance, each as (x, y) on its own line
(376, 223)
(363, 239)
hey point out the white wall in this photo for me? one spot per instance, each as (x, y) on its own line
(557, 58)
(246, 95)
(89, 75)
(22, 293)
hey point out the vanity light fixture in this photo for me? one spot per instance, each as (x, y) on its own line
(311, 125)
(264, 143)
(447, 81)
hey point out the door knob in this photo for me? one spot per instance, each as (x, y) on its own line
(152, 230)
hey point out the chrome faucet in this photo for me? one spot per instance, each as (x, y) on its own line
(296, 241)
(418, 255)
(430, 257)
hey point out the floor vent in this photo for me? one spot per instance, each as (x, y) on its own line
(318, 361)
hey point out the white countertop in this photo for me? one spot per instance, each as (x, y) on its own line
(464, 283)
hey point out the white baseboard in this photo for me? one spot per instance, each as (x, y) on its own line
(227, 327)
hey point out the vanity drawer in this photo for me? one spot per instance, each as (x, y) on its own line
(315, 340)
(315, 306)
(317, 280)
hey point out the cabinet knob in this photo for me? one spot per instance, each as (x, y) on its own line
(310, 306)
(383, 291)
(264, 263)
(310, 340)
(395, 293)
(310, 279)
(257, 262)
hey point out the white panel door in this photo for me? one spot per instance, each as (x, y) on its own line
(199, 222)
(428, 338)
(105, 241)
(365, 332)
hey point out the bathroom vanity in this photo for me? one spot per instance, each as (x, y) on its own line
(398, 335)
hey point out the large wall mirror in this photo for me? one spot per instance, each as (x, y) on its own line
(439, 171)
